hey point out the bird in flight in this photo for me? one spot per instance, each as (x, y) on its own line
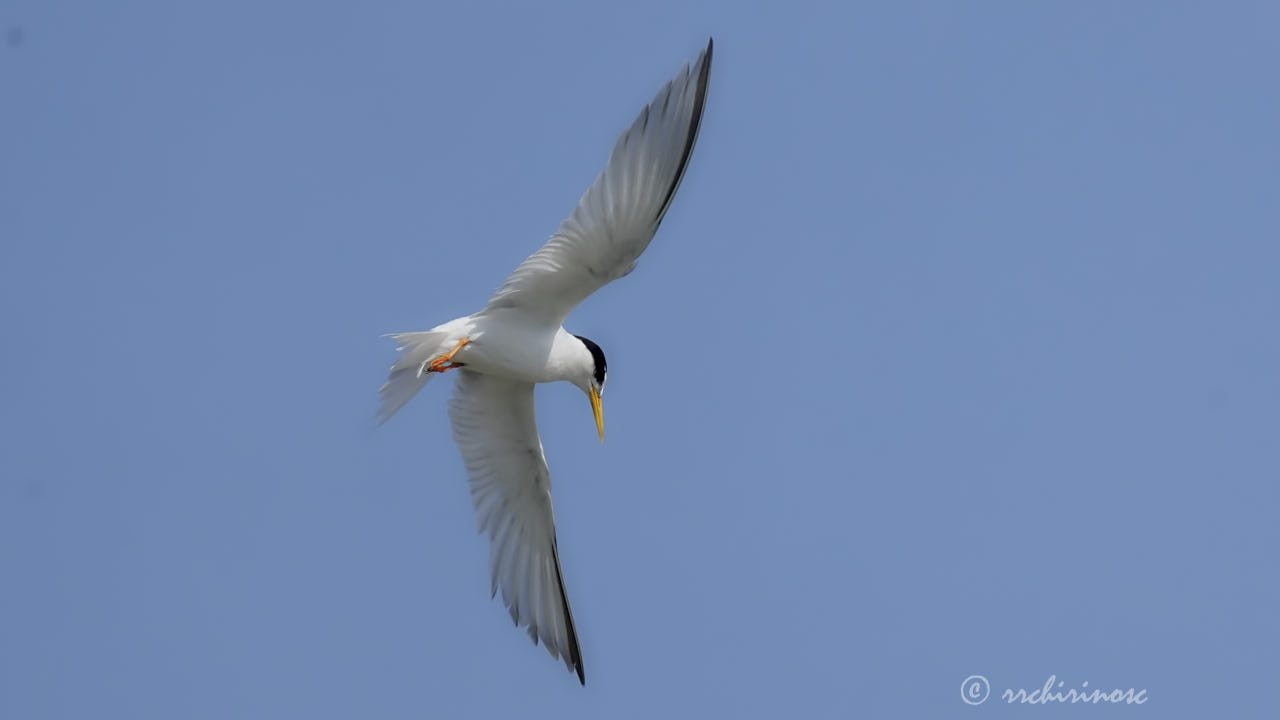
(518, 339)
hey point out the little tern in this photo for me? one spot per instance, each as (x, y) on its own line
(518, 340)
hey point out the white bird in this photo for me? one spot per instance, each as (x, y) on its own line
(518, 340)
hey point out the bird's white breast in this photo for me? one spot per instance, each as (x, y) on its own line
(507, 344)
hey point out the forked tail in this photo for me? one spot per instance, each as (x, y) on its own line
(409, 373)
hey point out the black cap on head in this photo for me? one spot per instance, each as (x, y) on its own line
(602, 368)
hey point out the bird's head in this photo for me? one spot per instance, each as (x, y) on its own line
(592, 381)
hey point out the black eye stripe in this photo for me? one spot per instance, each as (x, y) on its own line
(597, 355)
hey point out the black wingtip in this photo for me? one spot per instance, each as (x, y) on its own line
(574, 651)
(691, 138)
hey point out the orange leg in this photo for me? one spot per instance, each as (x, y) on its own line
(445, 362)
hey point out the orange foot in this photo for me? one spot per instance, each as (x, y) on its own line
(445, 362)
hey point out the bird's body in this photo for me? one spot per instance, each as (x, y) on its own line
(505, 344)
(518, 340)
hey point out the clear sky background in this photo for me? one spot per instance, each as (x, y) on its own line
(957, 354)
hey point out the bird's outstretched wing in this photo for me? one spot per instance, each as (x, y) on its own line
(617, 217)
(494, 425)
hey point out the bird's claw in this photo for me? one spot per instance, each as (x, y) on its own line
(445, 362)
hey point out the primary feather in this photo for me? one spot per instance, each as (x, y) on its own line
(619, 214)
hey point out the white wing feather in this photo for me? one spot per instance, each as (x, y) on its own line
(495, 427)
(617, 217)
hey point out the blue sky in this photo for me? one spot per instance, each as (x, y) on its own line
(955, 355)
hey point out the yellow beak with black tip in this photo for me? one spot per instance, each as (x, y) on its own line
(597, 407)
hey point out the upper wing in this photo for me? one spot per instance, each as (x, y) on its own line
(620, 212)
(494, 425)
